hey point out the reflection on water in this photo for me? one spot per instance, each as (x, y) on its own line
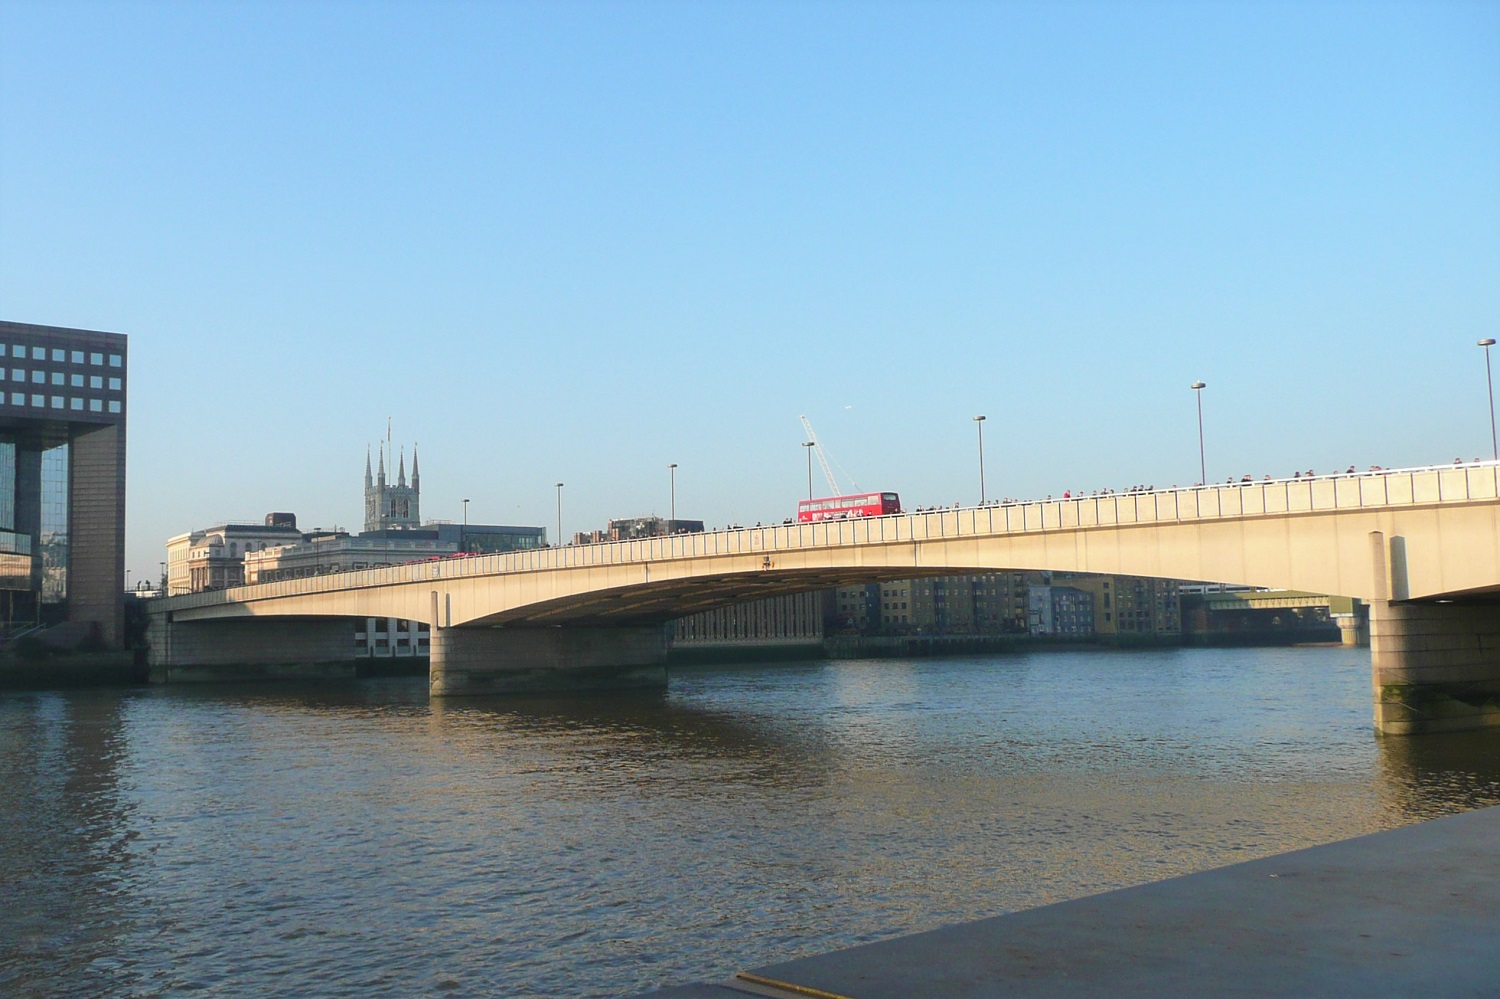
(353, 839)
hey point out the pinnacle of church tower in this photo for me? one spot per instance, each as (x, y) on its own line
(414, 474)
(401, 476)
(368, 481)
(380, 479)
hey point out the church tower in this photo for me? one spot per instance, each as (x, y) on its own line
(390, 505)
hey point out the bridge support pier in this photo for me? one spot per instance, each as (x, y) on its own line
(1436, 666)
(467, 661)
(1353, 629)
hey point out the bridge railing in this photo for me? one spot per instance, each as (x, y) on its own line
(1425, 485)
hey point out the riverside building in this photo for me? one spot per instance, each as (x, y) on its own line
(62, 482)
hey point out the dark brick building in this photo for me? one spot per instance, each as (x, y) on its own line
(62, 482)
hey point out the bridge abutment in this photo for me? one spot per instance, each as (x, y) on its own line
(1436, 666)
(470, 661)
(250, 649)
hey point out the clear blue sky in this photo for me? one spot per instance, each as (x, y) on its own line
(576, 242)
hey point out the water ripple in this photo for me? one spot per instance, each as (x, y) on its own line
(357, 840)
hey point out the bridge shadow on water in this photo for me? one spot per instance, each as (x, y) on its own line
(606, 730)
(1426, 776)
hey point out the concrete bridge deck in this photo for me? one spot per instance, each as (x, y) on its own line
(1421, 546)
(1409, 912)
(1308, 534)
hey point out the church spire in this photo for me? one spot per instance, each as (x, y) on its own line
(380, 478)
(401, 476)
(414, 476)
(369, 482)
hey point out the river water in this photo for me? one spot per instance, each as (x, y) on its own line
(355, 839)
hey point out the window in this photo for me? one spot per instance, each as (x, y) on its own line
(96, 381)
(37, 400)
(18, 351)
(38, 353)
(57, 402)
(58, 354)
(114, 405)
(39, 377)
(114, 384)
(115, 361)
(75, 403)
(18, 374)
(57, 378)
(18, 398)
(96, 406)
(76, 357)
(76, 381)
(96, 359)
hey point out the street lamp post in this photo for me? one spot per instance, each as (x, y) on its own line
(1487, 343)
(809, 445)
(979, 422)
(1198, 388)
(559, 514)
(672, 524)
(463, 536)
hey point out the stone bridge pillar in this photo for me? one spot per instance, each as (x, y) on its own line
(1436, 666)
(513, 660)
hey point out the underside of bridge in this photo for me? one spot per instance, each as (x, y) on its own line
(660, 602)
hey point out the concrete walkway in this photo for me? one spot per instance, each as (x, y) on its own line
(1410, 912)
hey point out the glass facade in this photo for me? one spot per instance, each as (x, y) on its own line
(54, 533)
(8, 487)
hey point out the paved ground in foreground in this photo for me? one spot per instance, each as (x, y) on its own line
(1409, 912)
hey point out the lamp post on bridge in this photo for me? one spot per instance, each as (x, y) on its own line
(559, 514)
(672, 524)
(1198, 388)
(1487, 343)
(463, 535)
(809, 445)
(979, 422)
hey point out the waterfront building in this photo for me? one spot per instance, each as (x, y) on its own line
(322, 552)
(1006, 603)
(1060, 610)
(1131, 606)
(476, 539)
(391, 638)
(214, 557)
(631, 528)
(790, 620)
(852, 610)
(637, 528)
(62, 482)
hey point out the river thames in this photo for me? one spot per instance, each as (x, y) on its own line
(355, 839)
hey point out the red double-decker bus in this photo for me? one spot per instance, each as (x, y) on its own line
(843, 507)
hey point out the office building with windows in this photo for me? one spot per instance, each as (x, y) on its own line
(62, 482)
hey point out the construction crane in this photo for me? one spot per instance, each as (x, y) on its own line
(833, 485)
